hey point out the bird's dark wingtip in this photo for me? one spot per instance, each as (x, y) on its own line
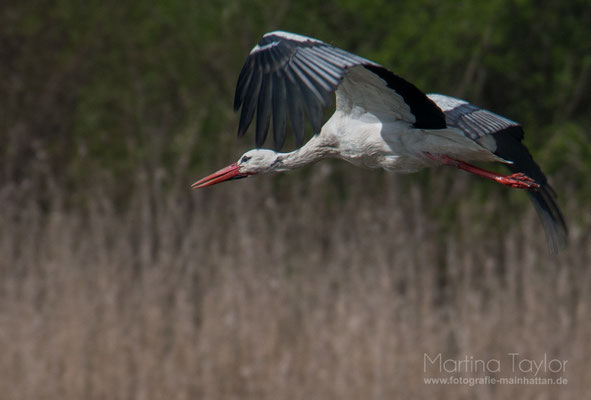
(509, 147)
(551, 217)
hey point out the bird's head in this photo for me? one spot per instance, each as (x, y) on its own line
(257, 161)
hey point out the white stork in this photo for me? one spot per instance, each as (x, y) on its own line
(380, 121)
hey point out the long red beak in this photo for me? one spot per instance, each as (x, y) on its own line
(224, 174)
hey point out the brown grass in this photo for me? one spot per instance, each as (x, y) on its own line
(241, 292)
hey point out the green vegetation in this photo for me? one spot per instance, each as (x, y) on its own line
(94, 93)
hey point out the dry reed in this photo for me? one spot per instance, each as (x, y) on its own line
(249, 292)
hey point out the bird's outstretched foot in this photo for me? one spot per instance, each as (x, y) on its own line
(518, 180)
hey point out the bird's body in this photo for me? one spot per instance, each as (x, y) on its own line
(380, 121)
(395, 146)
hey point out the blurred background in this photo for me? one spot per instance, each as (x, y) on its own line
(117, 281)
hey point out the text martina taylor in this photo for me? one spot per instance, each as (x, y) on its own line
(514, 363)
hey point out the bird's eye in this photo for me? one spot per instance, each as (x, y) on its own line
(244, 159)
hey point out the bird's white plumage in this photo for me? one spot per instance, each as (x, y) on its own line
(365, 140)
(362, 91)
(446, 103)
(292, 36)
(257, 161)
(257, 48)
(283, 35)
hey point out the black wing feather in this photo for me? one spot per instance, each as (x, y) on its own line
(309, 82)
(477, 123)
(279, 109)
(242, 85)
(311, 98)
(510, 148)
(310, 72)
(250, 100)
(263, 111)
(296, 112)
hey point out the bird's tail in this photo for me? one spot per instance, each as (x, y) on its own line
(509, 147)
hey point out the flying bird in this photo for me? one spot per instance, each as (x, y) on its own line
(380, 121)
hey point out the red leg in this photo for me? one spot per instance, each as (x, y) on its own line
(518, 180)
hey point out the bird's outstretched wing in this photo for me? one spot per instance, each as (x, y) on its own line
(287, 73)
(477, 124)
(474, 121)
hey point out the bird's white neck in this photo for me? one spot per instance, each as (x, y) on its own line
(317, 148)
